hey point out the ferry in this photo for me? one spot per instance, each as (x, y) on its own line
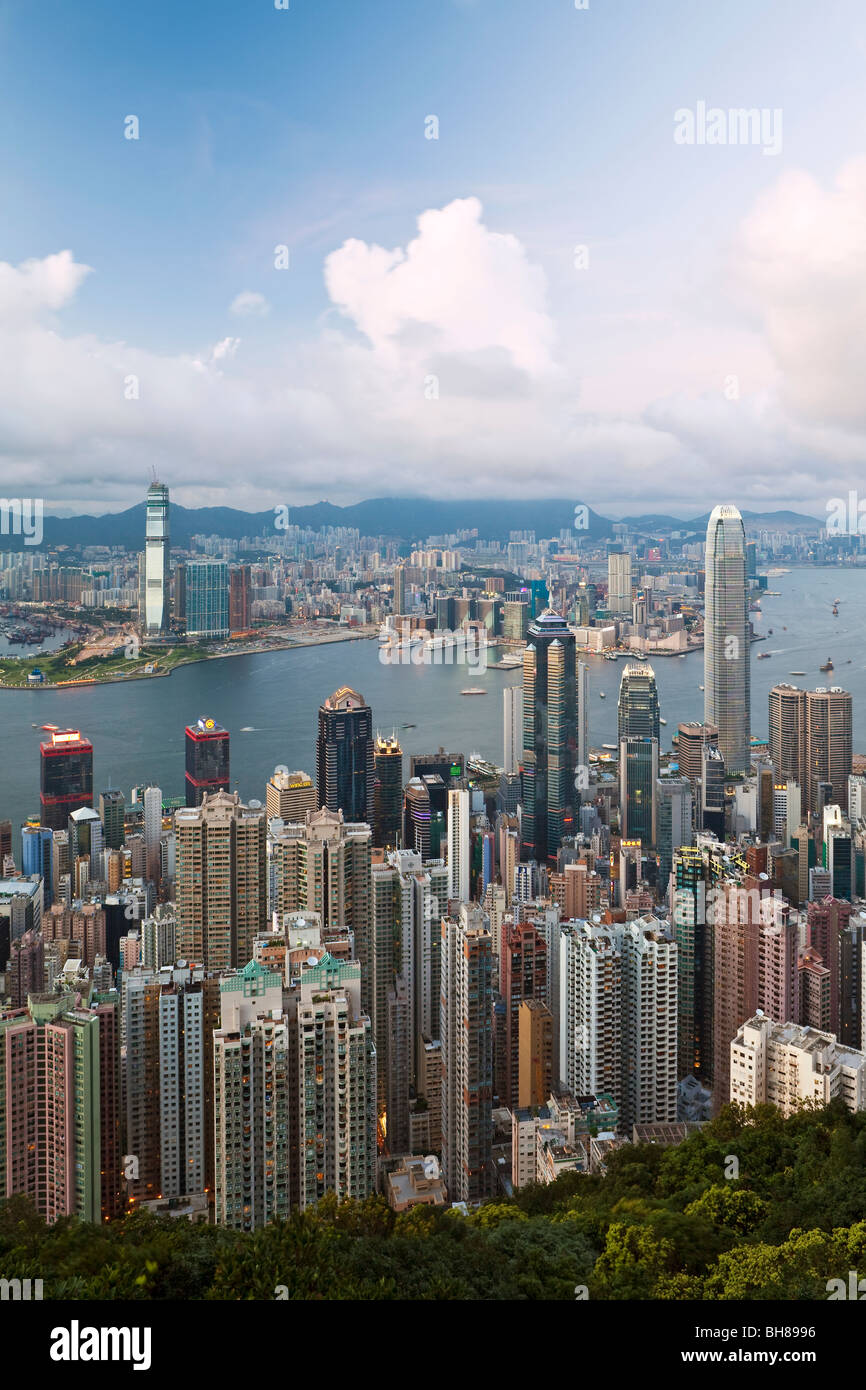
(796, 673)
(474, 690)
(828, 665)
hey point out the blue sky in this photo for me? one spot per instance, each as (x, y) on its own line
(305, 127)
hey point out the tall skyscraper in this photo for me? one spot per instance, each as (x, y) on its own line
(36, 842)
(550, 721)
(810, 742)
(344, 755)
(387, 792)
(221, 882)
(66, 761)
(239, 598)
(152, 830)
(523, 976)
(290, 795)
(112, 806)
(154, 575)
(206, 589)
(619, 583)
(458, 844)
(727, 654)
(207, 760)
(638, 731)
(512, 699)
(675, 811)
(466, 1033)
(399, 604)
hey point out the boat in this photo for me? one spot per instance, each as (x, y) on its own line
(796, 673)
(474, 690)
(828, 665)
(700, 687)
(764, 656)
(408, 726)
(769, 632)
(609, 747)
(662, 721)
(248, 729)
(835, 611)
(601, 695)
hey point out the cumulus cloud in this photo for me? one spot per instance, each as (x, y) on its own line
(249, 304)
(444, 368)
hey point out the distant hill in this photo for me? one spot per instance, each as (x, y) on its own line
(403, 518)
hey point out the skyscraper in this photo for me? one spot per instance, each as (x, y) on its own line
(675, 811)
(111, 812)
(619, 583)
(638, 730)
(512, 699)
(66, 761)
(221, 882)
(290, 795)
(387, 792)
(239, 598)
(154, 580)
(458, 844)
(152, 830)
(466, 1032)
(344, 755)
(810, 741)
(206, 588)
(550, 720)
(727, 655)
(207, 760)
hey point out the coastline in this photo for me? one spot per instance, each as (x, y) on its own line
(326, 639)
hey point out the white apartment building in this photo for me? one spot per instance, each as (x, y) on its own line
(784, 1064)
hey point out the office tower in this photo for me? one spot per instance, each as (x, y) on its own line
(458, 845)
(154, 582)
(36, 845)
(785, 1065)
(755, 964)
(711, 803)
(221, 897)
(787, 811)
(549, 736)
(5, 840)
(416, 817)
(323, 866)
(536, 1044)
(838, 852)
(290, 795)
(253, 1090)
(448, 766)
(399, 601)
(523, 975)
(207, 760)
(239, 598)
(152, 831)
(66, 762)
(111, 812)
(828, 746)
(692, 876)
(618, 1021)
(206, 586)
(387, 792)
(512, 698)
(619, 583)
(344, 755)
(727, 633)
(691, 740)
(59, 1124)
(515, 616)
(674, 798)
(335, 1085)
(638, 733)
(466, 1033)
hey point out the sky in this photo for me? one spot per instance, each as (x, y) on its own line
(363, 248)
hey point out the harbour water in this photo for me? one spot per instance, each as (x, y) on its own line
(269, 701)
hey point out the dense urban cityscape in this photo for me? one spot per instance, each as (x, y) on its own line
(440, 979)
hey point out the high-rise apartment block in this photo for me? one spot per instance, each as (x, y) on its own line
(221, 880)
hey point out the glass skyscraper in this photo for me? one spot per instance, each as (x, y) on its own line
(638, 730)
(727, 654)
(550, 723)
(154, 591)
(207, 598)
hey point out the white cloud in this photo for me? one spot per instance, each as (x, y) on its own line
(249, 304)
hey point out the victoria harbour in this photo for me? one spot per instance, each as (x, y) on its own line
(268, 701)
